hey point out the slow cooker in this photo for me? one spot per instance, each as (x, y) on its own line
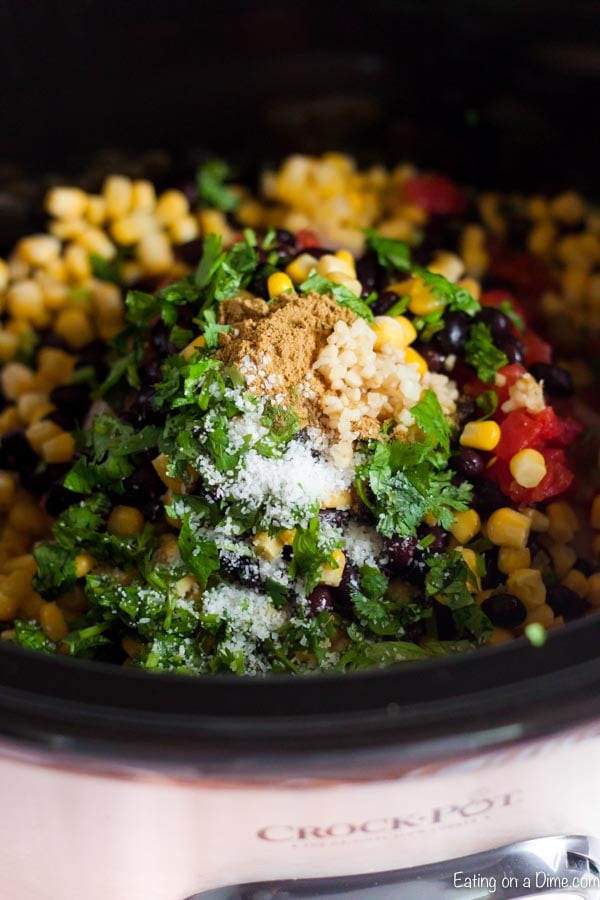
(472, 776)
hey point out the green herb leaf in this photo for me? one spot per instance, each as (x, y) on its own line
(392, 254)
(339, 292)
(430, 418)
(212, 190)
(482, 353)
(455, 297)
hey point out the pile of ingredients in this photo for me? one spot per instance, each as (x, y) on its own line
(314, 428)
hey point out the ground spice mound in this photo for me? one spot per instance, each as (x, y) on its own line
(274, 346)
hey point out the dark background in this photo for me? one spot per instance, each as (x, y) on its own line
(497, 92)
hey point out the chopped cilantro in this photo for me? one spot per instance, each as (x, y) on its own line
(455, 297)
(482, 353)
(508, 309)
(391, 254)
(536, 634)
(449, 578)
(31, 636)
(310, 553)
(430, 418)
(487, 402)
(200, 555)
(339, 292)
(212, 190)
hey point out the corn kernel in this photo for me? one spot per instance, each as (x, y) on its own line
(395, 330)
(25, 300)
(541, 238)
(8, 483)
(301, 267)
(471, 559)
(154, 253)
(9, 345)
(9, 419)
(68, 229)
(540, 523)
(27, 518)
(53, 623)
(66, 202)
(595, 513)
(59, 449)
(4, 275)
(540, 615)
(38, 250)
(39, 432)
(9, 605)
(160, 464)
(278, 283)
(593, 593)
(447, 264)
(143, 196)
(97, 242)
(171, 206)
(508, 528)
(528, 468)
(347, 258)
(563, 521)
(528, 586)
(287, 537)
(193, 347)
(563, 557)
(412, 358)
(347, 281)
(77, 262)
(55, 366)
(184, 230)
(74, 326)
(337, 500)
(499, 636)
(17, 379)
(568, 207)
(31, 605)
(330, 263)
(213, 221)
(576, 581)
(267, 547)
(332, 575)
(130, 229)
(95, 211)
(34, 406)
(465, 526)
(480, 435)
(422, 299)
(124, 521)
(116, 191)
(512, 558)
(56, 294)
(84, 563)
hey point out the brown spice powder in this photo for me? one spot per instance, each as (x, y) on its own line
(278, 344)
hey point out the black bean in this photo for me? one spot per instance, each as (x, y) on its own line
(142, 486)
(368, 271)
(565, 602)
(190, 253)
(400, 552)
(151, 372)
(59, 498)
(557, 381)
(285, 238)
(39, 478)
(153, 509)
(341, 594)
(469, 462)
(159, 338)
(336, 517)
(384, 302)
(73, 401)
(440, 538)
(487, 496)
(16, 452)
(492, 576)
(504, 610)
(51, 339)
(452, 337)
(319, 600)
(434, 357)
(142, 411)
(466, 409)
(241, 568)
(513, 348)
(497, 321)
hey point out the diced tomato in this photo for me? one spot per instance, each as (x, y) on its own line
(536, 350)
(519, 430)
(570, 430)
(436, 194)
(557, 479)
(306, 238)
(552, 426)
